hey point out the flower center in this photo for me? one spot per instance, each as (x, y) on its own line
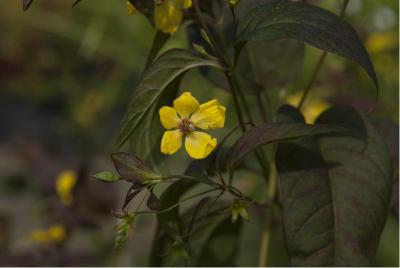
(186, 126)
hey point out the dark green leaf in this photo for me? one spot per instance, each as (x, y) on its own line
(335, 191)
(170, 220)
(273, 132)
(132, 192)
(129, 167)
(153, 202)
(269, 64)
(145, 7)
(26, 4)
(106, 176)
(196, 211)
(394, 203)
(306, 23)
(76, 2)
(215, 242)
(169, 223)
(145, 139)
(156, 79)
(132, 168)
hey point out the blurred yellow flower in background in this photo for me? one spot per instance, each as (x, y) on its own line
(87, 110)
(65, 183)
(381, 41)
(57, 233)
(54, 234)
(183, 118)
(312, 107)
(39, 236)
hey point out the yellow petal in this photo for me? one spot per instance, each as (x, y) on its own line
(379, 42)
(167, 16)
(183, 3)
(199, 145)
(171, 141)
(314, 109)
(65, 182)
(210, 115)
(185, 105)
(131, 8)
(57, 233)
(40, 236)
(168, 117)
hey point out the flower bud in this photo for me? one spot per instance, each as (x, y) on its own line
(239, 209)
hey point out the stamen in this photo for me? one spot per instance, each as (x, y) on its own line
(186, 126)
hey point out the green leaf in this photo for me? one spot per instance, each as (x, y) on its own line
(132, 192)
(131, 168)
(264, 134)
(145, 139)
(305, 23)
(215, 241)
(76, 2)
(335, 191)
(156, 79)
(170, 220)
(145, 7)
(106, 176)
(169, 223)
(264, 65)
(153, 202)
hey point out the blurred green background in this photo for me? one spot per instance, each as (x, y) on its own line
(66, 76)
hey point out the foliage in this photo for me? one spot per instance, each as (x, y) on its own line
(335, 176)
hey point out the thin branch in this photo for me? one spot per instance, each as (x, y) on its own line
(319, 64)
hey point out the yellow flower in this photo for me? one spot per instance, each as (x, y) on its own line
(131, 8)
(57, 233)
(65, 182)
(183, 119)
(378, 42)
(40, 236)
(168, 14)
(312, 107)
(54, 234)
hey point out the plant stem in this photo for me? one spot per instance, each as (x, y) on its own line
(319, 64)
(312, 80)
(262, 161)
(266, 234)
(261, 107)
(236, 101)
(259, 153)
(179, 203)
(185, 177)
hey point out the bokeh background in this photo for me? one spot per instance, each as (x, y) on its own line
(66, 76)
